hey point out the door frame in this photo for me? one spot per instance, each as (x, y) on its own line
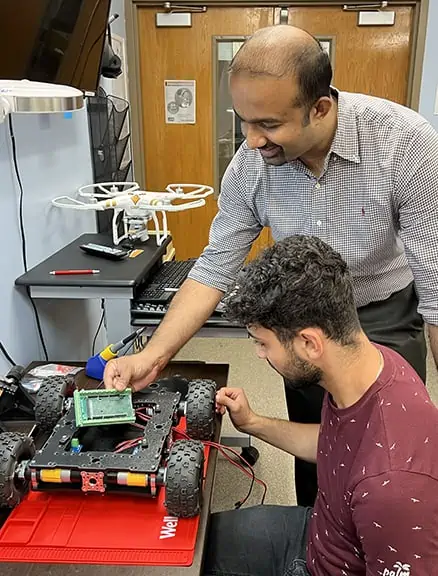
(132, 45)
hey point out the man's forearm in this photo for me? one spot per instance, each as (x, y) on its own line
(300, 440)
(433, 339)
(191, 306)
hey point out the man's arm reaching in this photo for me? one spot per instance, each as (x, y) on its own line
(300, 440)
(190, 308)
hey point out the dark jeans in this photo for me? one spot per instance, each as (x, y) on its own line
(394, 323)
(258, 541)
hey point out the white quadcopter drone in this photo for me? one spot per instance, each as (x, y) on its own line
(138, 206)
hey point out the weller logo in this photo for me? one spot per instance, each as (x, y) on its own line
(398, 569)
(168, 529)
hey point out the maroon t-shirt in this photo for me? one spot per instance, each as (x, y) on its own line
(377, 507)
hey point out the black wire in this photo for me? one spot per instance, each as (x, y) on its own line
(20, 185)
(93, 13)
(251, 486)
(99, 326)
(22, 230)
(38, 323)
(88, 55)
(6, 354)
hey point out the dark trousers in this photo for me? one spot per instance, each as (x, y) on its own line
(258, 541)
(394, 323)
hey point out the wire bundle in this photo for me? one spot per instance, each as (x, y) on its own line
(243, 466)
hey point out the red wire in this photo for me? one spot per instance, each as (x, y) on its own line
(137, 425)
(127, 444)
(222, 449)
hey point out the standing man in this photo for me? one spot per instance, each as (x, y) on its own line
(359, 172)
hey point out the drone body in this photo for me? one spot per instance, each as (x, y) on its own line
(136, 207)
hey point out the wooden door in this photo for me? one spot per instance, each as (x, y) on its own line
(184, 153)
(367, 59)
(372, 60)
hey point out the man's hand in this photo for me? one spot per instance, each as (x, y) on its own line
(135, 371)
(236, 403)
(300, 440)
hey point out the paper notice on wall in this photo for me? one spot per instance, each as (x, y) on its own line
(180, 101)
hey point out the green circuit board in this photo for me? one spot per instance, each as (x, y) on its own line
(99, 407)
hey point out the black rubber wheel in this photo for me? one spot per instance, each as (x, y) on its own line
(250, 454)
(49, 406)
(184, 479)
(14, 448)
(200, 409)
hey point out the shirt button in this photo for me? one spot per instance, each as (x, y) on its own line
(318, 223)
(317, 185)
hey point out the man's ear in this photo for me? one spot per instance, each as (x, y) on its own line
(321, 108)
(308, 344)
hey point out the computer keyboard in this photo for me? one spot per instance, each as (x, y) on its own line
(151, 314)
(166, 282)
(148, 309)
(150, 306)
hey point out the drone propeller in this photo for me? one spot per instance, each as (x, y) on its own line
(72, 203)
(107, 189)
(200, 190)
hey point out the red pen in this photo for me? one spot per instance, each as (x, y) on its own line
(70, 272)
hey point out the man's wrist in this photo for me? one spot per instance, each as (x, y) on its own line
(155, 356)
(254, 425)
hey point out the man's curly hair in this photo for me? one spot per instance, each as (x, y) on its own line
(297, 283)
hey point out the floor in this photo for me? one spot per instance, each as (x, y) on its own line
(264, 389)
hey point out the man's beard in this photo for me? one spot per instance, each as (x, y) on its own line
(302, 375)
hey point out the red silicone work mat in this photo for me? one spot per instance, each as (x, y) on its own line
(71, 527)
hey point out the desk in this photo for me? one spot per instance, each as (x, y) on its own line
(192, 370)
(117, 283)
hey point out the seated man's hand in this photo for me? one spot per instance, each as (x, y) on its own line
(235, 402)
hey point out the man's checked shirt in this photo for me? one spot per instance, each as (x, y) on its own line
(376, 203)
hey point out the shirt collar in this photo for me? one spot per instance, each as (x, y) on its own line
(346, 142)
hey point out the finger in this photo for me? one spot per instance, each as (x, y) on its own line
(110, 372)
(233, 393)
(230, 393)
(120, 384)
(229, 403)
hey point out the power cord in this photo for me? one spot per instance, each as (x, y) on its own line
(6, 354)
(23, 233)
(38, 323)
(21, 197)
(99, 326)
(106, 28)
(81, 49)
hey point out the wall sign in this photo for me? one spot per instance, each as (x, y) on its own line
(180, 101)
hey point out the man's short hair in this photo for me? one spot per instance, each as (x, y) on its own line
(299, 282)
(306, 63)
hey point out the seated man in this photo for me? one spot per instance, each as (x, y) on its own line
(376, 450)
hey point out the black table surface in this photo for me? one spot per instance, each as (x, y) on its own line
(124, 273)
(190, 370)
